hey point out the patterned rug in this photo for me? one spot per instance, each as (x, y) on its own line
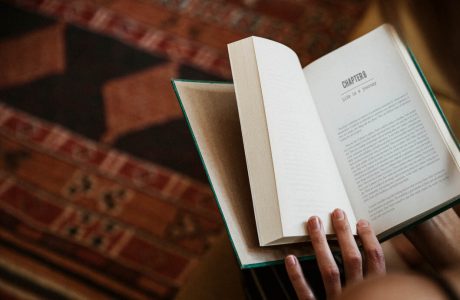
(102, 194)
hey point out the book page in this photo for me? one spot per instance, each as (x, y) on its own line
(390, 153)
(211, 113)
(307, 180)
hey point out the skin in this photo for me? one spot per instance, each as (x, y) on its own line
(373, 262)
(426, 237)
(440, 230)
(401, 286)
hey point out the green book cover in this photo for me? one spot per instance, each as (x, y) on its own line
(240, 251)
(304, 257)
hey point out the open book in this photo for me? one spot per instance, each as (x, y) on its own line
(357, 129)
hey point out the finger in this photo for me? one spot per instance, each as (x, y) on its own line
(350, 253)
(373, 253)
(326, 263)
(301, 287)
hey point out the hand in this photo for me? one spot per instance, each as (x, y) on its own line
(374, 262)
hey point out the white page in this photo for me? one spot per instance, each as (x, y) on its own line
(211, 111)
(307, 179)
(394, 163)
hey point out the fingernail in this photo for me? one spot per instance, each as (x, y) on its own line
(291, 260)
(338, 214)
(313, 223)
(363, 223)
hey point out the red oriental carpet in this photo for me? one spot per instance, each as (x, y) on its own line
(102, 194)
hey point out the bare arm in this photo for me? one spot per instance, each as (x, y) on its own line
(438, 239)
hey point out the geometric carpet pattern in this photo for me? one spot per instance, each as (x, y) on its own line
(102, 194)
(63, 196)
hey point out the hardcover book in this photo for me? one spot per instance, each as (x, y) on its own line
(358, 129)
